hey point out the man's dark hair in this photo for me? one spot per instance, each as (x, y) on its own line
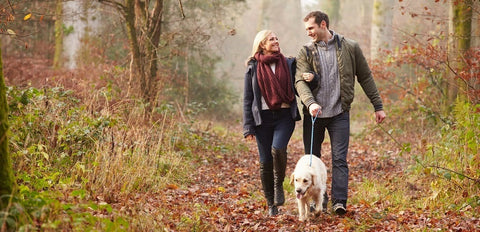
(319, 17)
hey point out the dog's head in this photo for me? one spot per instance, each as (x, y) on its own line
(302, 181)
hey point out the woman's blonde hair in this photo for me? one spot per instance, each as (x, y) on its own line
(260, 38)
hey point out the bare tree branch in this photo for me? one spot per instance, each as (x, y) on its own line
(181, 8)
(11, 7)
(114, 4)
(476, 180)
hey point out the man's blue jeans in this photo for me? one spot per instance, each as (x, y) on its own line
(275, 131)
(338, 128)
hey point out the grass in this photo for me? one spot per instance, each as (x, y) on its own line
(387, 196)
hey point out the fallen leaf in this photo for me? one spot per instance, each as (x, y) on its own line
(27, 17)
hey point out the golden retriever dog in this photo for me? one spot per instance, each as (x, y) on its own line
(310, 183)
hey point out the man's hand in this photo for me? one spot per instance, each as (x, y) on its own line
(380, 116)
(315, 109)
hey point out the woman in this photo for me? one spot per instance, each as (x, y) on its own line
(269, 112)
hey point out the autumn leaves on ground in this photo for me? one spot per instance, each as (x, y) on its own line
(225, 195)
(85, 160)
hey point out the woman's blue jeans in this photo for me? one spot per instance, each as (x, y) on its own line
(338, 128)
(274, 132)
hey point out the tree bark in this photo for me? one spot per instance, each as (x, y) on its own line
(57, 58)
(460, 28)
(382, 18)
(144, 28)
(6, 173)
(475, 25)
(136, 67)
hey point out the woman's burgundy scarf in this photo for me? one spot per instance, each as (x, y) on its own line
(276, 87)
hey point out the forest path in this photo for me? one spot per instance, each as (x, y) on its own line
(225, 193)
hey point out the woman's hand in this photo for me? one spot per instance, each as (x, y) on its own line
(250, 137)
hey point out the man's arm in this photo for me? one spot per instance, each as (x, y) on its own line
(365, 78)
(304, 91)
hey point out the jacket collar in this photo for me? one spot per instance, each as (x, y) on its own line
(337, 37)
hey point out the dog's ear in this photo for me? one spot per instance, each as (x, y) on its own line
(313, 179)
(292, 177)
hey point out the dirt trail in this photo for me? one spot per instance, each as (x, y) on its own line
(229, 188)
(226, 196)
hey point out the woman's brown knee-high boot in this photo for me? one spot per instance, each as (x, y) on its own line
(266, 175)
(279, 166)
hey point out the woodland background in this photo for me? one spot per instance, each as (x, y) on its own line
(126, 115)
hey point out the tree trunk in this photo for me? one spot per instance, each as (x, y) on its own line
(57, 58)
(136, 68)
(152, 40)
(144, 27)
(332, 8)
(75, 24)
(460, 28)
(475, 43)
(6, 173)
(382, 18)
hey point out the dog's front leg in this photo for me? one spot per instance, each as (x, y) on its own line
(302, 213)
(319, 204)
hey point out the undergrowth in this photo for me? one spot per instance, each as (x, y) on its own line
(72, 162)
(437, 143)
(452, 164)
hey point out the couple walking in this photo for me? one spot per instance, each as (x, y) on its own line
(323, 76)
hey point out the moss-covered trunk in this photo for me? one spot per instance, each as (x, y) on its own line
(6, 173)
(136, 68)
(57, 58)
(382, 19)
(460, 28)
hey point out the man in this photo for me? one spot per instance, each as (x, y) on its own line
(328, 96)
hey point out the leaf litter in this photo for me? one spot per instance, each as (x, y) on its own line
(225, 194)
